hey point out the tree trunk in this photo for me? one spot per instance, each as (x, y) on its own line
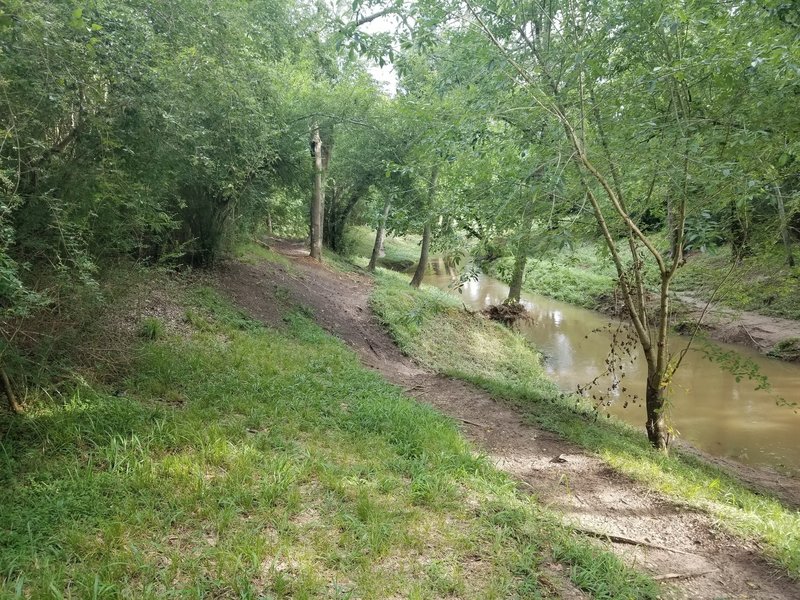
(787, 241)
(318, 197)
(515, 288)
(671, 231)
(379, 235)
(655, 400)
(337, 218)
(739, 233)
(9, 391)
(422, 265)
(521, 259)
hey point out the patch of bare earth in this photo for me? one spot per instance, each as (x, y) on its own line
(678, 545)
(739, 326)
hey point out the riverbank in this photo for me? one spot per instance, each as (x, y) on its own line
(677, 502)
(252, 455)
(757, 305)
(584, 277)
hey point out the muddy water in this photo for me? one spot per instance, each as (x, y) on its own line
(709, 408)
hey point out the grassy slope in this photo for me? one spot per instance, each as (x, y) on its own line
(763, 284)
(431, 327)
(239, 461)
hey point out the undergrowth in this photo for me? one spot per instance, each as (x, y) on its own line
(240, 461)
(468, 347)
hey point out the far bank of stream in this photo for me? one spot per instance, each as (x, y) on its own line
(710, 409)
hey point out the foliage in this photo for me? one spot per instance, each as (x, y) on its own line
(401, 252)
(151, 329)
(763, 283)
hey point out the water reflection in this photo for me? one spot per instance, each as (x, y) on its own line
(709, 408)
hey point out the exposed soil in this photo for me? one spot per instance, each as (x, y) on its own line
(738, 326)
(677, 540)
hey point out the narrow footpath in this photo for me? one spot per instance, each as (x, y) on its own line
(677, 544)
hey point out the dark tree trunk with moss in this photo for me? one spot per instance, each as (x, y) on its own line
(521, 257)
(655, 401)
(422, 265)
(517, 277)
(785, 236)
(379, 235)
(338, 211)
(739, 233)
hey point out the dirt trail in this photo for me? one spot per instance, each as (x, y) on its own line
(710, 562)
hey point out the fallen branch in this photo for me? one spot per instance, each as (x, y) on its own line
(755, 343)
(669, 576)
(626, 540)
(9, 391)
(419, 386)
(371, 347)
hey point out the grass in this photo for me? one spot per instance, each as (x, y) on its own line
(429, 326)
(402, 253)
(253, 253)
(580, 278)
(240, 461)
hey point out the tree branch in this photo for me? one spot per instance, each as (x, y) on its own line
(369, 18)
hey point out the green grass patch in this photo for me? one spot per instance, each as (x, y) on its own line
(241, 461)
(432, 326)
(429, 326)
(402, 253)
(252, 253)
(788, 349)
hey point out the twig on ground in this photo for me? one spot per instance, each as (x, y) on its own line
(371, 347)
(682, 575)
(626, 540)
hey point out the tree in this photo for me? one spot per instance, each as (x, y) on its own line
(643, 126)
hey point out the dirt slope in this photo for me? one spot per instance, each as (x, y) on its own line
(710, 562)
